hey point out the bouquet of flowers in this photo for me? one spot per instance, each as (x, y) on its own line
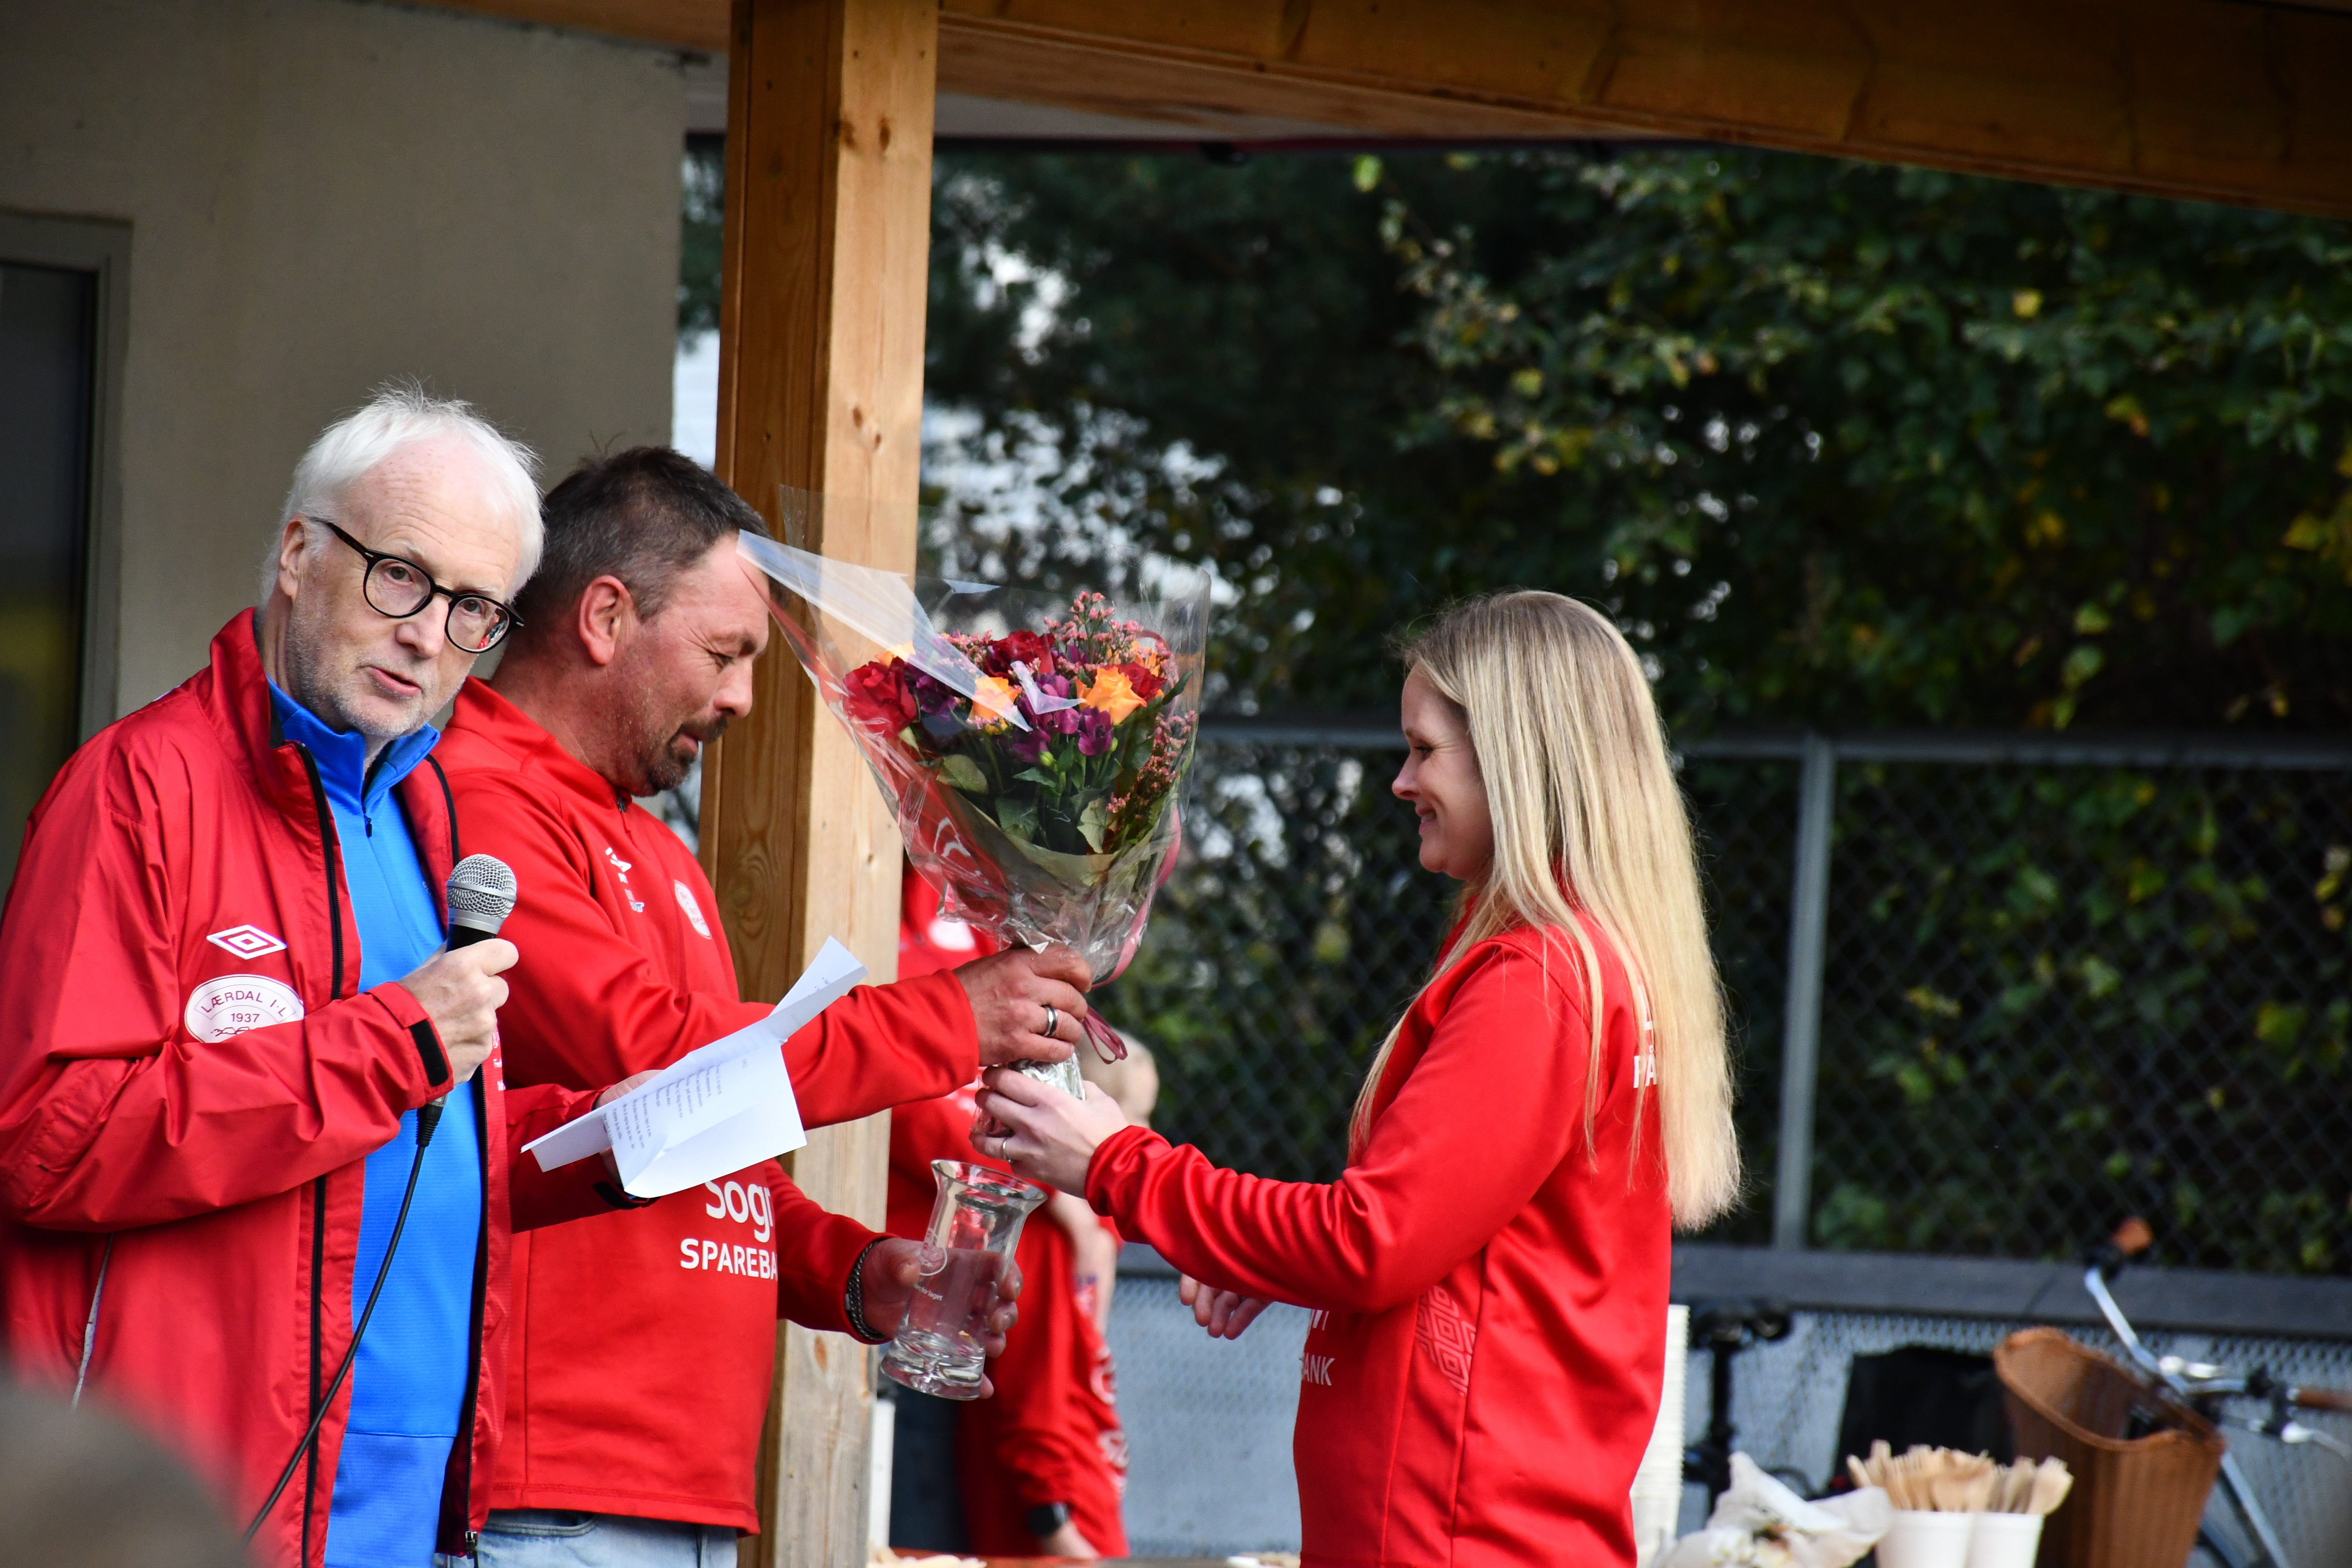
(1032, 749)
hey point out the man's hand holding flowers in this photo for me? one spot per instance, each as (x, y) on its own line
(1017, 994)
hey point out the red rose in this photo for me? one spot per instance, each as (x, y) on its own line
(1144, 684)
(1029, 648)
(877, 695)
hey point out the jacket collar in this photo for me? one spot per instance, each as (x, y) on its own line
(235, 694)
(484, 712)
(341, 754)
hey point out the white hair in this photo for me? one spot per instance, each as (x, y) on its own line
(401, 414)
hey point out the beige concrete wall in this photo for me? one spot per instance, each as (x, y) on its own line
(324, 194)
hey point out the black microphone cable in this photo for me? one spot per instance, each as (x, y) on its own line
(428, 1118)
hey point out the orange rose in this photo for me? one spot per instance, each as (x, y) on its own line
(1111, 691)
(992, 700)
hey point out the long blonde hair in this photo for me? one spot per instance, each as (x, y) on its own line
(1587, 817)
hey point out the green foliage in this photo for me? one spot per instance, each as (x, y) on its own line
(2078, 994)
(1207, 363)
(1836, 443)
(701, 224)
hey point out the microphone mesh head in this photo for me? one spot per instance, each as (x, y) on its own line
(481, 892)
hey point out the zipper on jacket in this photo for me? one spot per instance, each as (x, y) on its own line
(332, 847)
(89, 1326)
(331, 852)
(318, 1344)
(448, 803)
(457, 1478)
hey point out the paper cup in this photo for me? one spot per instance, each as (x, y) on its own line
(1927, 1540)
(2004, 1539)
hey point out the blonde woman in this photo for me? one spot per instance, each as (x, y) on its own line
(1489, 1278)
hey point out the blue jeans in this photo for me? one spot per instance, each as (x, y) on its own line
(549, 1538)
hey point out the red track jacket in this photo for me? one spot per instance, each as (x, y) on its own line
(1051, 1433)
(1483, 1366)
(645, 1340)
(188, 1091)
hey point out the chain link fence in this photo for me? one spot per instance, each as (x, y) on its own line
(2044, 983)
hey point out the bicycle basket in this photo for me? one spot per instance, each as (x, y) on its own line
(2138, 1498)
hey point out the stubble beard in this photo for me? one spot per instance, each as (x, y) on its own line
(659, 766)
(313, 685)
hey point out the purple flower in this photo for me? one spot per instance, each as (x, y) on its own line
(1094, 732)
(1024, 745)
(932, 696)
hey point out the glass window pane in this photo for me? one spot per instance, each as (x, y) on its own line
(47, 344)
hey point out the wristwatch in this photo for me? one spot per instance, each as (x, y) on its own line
(1047, 1517)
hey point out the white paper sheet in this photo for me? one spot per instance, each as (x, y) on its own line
(714, 1111)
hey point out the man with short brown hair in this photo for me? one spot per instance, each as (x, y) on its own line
(647, 1337)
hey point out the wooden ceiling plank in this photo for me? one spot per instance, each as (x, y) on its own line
(1073, 74)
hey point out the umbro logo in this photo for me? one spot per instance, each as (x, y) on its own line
(246, 941)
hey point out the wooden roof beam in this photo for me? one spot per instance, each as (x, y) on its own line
(2206, 99)
(2220, 100)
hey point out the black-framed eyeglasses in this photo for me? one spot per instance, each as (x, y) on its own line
(400, 588)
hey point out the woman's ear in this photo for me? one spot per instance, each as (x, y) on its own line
(607, 614)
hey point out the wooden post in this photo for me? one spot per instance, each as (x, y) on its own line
(820, 386)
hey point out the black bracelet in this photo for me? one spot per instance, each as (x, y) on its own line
(1047, 1517)
(853, 1299)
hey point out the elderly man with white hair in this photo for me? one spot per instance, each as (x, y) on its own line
(248, 1101)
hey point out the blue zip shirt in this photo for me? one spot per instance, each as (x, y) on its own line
(408, 1380)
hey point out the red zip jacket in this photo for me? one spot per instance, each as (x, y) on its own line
(1482, 1370)
(645, 1340)
(1051, 1433)
(189, 1090)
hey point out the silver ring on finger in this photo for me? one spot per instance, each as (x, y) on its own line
(1053, 1020)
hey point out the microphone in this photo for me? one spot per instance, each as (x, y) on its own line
(481, 896)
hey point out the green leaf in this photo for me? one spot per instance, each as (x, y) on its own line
(1093, 824)
(2100, 979)
(960, 771)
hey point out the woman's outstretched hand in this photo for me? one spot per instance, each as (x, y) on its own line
(1224, 1314)
(1040, 1132)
